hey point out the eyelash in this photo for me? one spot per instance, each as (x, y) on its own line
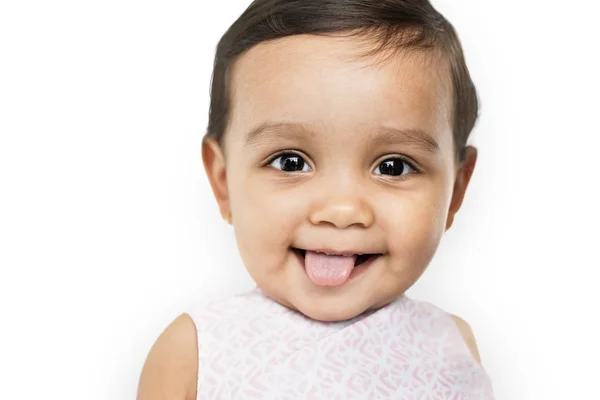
(410, 164)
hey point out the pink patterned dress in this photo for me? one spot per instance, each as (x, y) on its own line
(251, 347)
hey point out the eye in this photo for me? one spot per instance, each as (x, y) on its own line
(290, 162)
(394, 167)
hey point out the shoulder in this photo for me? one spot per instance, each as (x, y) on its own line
(171, 368)
(464, 329)
(467, 335)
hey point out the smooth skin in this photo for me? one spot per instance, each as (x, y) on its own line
(344, 119)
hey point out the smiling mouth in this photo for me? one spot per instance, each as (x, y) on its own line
(360, 259)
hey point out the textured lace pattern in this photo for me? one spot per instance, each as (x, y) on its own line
(251, 347)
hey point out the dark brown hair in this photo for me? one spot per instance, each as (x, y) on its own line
(393, 24)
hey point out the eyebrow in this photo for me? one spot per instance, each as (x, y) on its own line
(289, 129)
(412, 137)
(381, 136)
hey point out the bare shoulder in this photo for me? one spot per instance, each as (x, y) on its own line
(171, 368)
(468, 336)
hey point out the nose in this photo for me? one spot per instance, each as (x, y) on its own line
(342, 211)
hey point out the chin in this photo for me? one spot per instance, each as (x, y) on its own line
(326, 307)
(330, 315)
(329, 306)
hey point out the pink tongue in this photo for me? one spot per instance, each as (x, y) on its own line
(326, 270)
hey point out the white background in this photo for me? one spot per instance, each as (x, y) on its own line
(108, 228)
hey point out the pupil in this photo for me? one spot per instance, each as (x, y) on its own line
(292, 163)
(392, 167)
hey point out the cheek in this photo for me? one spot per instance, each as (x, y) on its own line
(265, 220)
(415, 226)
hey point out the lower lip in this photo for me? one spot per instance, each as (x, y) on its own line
(357, 271)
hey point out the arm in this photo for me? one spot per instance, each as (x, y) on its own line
(171, 368)
(468, 336)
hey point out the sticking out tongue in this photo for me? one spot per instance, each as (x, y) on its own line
(326, 270)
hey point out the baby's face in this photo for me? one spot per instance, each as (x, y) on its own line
(325, 154)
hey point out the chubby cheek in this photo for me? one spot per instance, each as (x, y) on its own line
(414, 228)
(265, 220)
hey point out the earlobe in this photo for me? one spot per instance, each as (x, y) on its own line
(214, 165)
(463, 177)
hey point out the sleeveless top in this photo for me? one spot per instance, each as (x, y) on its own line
(251, 347)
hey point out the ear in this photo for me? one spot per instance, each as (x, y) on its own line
(463, 177)
(214, 165)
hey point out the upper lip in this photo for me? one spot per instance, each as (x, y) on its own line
(339, 252)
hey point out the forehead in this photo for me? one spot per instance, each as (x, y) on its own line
(321, 81)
